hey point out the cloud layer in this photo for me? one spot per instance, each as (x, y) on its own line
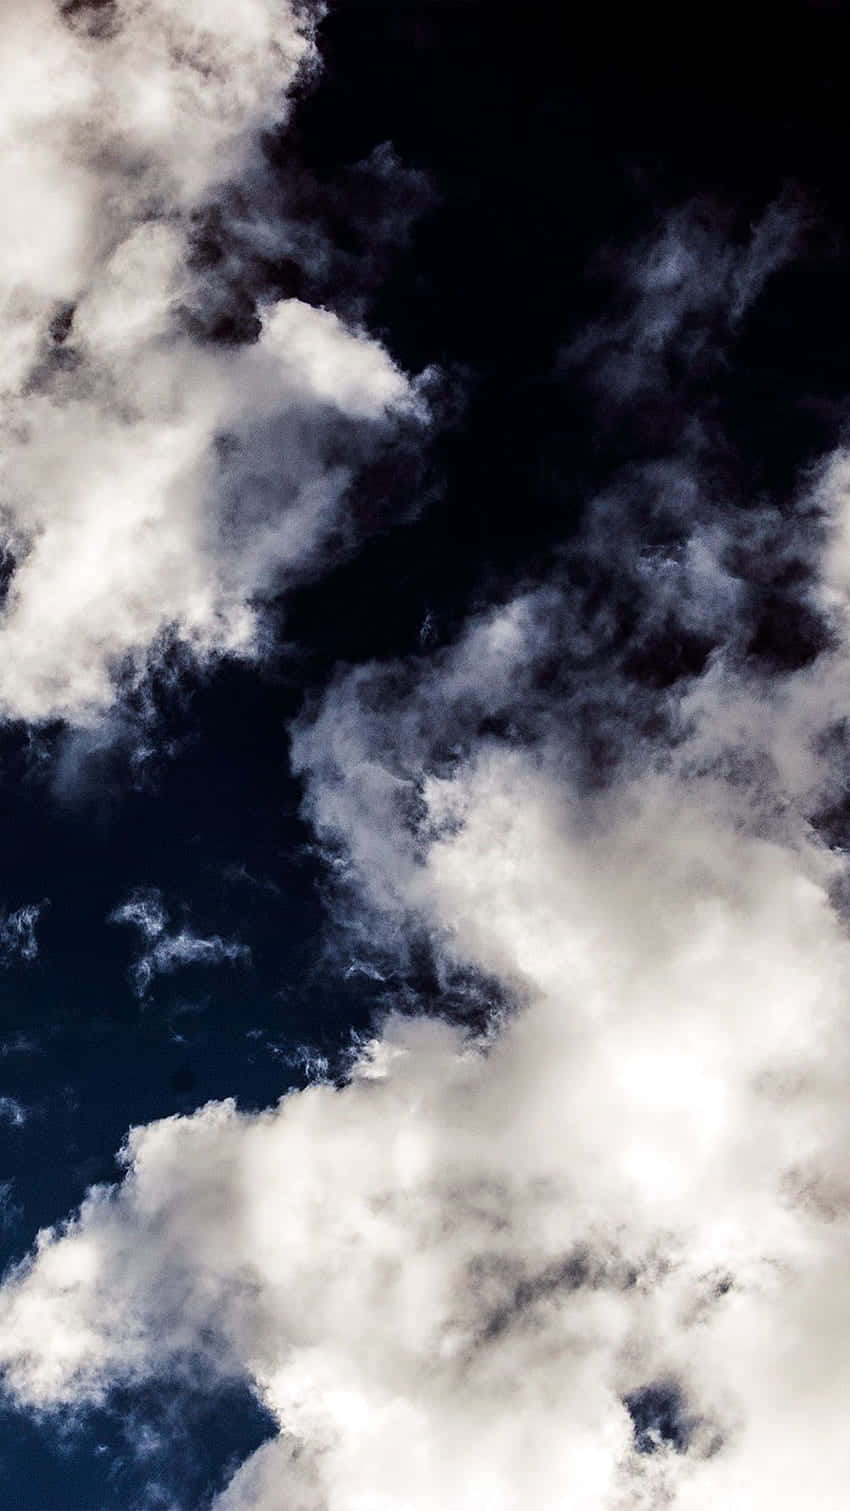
(155, 483)
(595, 1255)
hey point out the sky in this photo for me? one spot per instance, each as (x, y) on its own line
(424, 751)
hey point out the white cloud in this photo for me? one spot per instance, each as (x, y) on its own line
(448, 1278)
(152, 483)
(445, 1278)
(165, 951)
(454, 1280)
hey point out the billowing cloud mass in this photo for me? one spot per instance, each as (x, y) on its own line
(155, 483)
(596, 1255)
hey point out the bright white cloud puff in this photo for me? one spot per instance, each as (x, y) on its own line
(153, 484)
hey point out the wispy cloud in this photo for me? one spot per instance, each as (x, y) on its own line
(18, 1044)
(18, 939)
(12, 1112)
(679, 296)
(10, 1211)
(165, 950)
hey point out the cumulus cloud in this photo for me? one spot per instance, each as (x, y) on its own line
(449, 1279)
(164, 951)
(595, 1253)
(155, 483)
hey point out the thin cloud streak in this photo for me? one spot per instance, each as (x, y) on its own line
(18, 939)
(165, 951)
